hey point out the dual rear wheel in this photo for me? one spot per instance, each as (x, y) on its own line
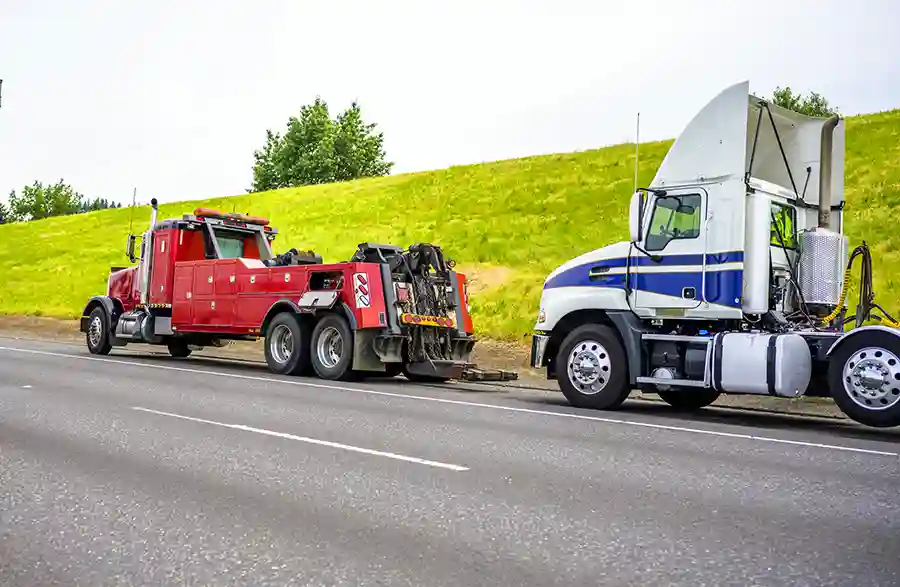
(293, 347)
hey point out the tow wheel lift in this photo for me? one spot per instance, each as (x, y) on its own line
(472, 372)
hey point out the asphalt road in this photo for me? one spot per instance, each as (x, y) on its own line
(131, 470)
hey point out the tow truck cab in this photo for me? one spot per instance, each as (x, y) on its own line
(204, 235)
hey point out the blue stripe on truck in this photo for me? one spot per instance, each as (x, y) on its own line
(722, 287)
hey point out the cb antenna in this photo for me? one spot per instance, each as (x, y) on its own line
(637, 145)
(133, 201)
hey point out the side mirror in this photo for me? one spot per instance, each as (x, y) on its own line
(636, 216)
(129, 248)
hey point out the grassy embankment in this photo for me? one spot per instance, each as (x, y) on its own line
(507, 224)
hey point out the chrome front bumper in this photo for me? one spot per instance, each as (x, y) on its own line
(538, 349)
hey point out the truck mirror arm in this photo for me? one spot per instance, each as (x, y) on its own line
(653, 256)
(656, 192)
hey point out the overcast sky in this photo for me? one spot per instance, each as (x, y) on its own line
(173, 96)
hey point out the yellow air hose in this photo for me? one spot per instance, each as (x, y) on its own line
(840, 304)
(866, 295)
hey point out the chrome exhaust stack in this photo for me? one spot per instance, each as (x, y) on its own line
(825, 160)
(147, 254)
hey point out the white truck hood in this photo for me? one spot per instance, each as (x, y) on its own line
(613, 251)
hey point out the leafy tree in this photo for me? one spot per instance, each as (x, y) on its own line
(318, 149)
(4, 213)
(813, 104)
(39, 201)
(43, 201)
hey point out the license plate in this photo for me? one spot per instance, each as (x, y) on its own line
(423, 320)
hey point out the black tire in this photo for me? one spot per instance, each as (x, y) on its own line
(287, 344)
(178, 348)
(332, 362)
(874, 405)
(97, 336)
(688, 400)
(606, 387)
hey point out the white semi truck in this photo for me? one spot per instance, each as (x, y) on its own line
(734, 279)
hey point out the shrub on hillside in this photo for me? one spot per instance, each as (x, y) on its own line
(317, 149)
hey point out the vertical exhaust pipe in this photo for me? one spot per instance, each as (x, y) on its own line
(825, 160)
(154, 210)
(147, 254)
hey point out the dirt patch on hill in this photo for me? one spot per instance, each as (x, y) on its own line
(484, 277)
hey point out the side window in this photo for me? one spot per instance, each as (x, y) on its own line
(783, 225)
(674, 218)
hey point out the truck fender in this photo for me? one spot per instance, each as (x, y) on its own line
(112, 306)
(288, 305)
(282, 305)
(630, 329)
(558, 302)
(859, 332)
(348, 314)
(627, 325)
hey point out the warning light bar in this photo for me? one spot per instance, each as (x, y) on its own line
(210, 213)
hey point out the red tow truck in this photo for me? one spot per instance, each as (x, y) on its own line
(210, 278)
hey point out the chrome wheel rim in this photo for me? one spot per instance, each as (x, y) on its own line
(95, 331)
(872, 378)
(330, 347)
(282, 344)
(589, 367)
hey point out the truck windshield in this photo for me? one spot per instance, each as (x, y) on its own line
(231, 244)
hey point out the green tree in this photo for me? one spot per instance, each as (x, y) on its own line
(38, 201)
(813, 104)
(4, 213)
(318, 149)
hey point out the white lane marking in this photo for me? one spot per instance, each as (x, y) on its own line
(467, 403)
(26, 387)
(348, 447)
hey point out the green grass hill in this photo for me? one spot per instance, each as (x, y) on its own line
(507, 224)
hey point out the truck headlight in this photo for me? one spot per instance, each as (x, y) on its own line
(542, 316)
